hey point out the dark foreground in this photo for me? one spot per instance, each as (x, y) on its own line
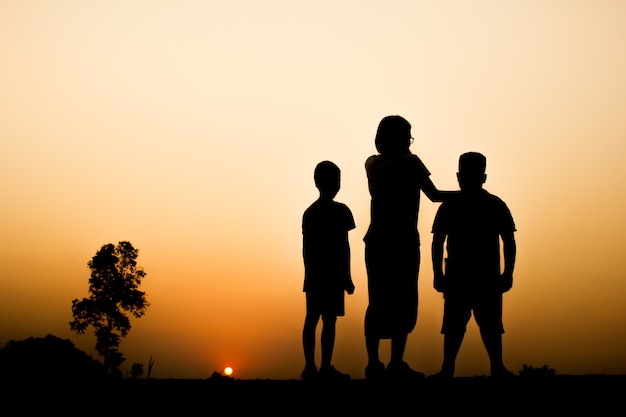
(599, 394)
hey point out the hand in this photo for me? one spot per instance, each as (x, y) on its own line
(439, 282)
(350, 287)
(506, 282)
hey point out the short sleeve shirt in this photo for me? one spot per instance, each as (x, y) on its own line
(473, 224)
(326, 252)
(394, 183)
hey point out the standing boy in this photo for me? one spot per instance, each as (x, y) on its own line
(474, 222)
(326, 252)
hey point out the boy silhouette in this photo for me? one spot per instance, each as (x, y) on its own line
(473, 222)
(326, 253)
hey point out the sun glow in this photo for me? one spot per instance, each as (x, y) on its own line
(228, 371)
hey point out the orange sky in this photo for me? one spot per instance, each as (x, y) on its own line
(191, 129)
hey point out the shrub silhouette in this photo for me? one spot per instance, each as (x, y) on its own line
(136, 370)
(537, 373)
(47, 359)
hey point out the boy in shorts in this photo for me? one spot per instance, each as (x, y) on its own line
(326, 253)
(473, 222)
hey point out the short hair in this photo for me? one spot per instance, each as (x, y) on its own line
(472, 163)
(393, 135)
(326, 173)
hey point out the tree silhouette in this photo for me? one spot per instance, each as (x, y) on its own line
(113, 288)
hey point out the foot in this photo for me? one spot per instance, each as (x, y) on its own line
(375, 371)
(401, 371)
(329, 373)
(310, 373)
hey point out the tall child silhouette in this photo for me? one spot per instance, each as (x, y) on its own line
(326, 252)
(474, 223)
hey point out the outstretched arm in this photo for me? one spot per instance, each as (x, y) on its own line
(434, 194)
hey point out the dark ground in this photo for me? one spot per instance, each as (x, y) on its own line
(556, 394)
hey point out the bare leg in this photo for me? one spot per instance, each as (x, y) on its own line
(328, 340)
(372, 345)
(398, 369)
(308, 339)
(398, 345)
(493, 345)
(375, 369)
(451, 345)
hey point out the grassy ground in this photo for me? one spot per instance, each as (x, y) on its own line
(598, 394)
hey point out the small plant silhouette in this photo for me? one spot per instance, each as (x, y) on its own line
(150, 365)
(136, 370)
(537, 373)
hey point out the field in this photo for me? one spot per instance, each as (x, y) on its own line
(598, 394)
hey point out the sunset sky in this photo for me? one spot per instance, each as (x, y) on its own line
(192, 128)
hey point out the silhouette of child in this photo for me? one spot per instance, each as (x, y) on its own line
(473, 222)
(326, 253)
(396, 177)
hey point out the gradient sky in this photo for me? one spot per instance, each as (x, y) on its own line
(192, 128)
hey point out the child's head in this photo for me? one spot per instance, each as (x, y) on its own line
(471, 173)
(327, 178)
(393, 135)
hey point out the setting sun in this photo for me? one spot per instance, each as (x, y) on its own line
(228, 371)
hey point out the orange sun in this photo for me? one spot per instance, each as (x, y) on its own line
(228, 371)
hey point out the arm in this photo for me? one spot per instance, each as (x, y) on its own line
(433, 193)
(509, 248)
(437, 259)
(349, 285)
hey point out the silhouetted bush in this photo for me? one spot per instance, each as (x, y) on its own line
(537, 373)
(47, 359)
(136, 371)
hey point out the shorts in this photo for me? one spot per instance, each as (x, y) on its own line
(486, 307)
(325, 302)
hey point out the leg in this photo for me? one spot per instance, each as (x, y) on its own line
(451, 344)
(327, 370)
(328, 339)
(398, 369)
(308, 344)
(493, 344)
(398, 345)
(489, 319)
(456, 314)
(372, 341)
(375, 369)
(372, 345)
